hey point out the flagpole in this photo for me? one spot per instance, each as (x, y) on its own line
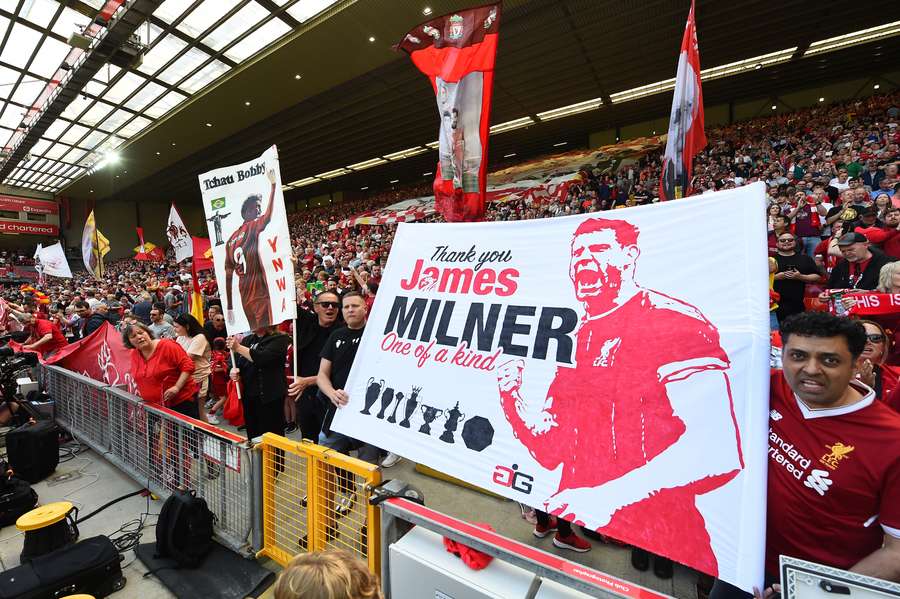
(97, 242)
(294, 332)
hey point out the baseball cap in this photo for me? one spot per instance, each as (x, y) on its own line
(851, 238)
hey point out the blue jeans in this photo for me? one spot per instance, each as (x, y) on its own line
(773, 321)
(809, 245)
(343, 444)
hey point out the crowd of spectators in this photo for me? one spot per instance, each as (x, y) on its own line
(833, 220)
(15, 257)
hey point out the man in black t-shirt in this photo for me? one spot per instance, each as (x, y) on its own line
(861, 265)
(337, 358)
(794, 272)
(312, 331)
(334, 369)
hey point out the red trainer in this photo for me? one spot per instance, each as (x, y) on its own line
(542, 531)
(572, 542)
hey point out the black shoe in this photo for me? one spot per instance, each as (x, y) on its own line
(331, 533)
(662, 567)
(640, 559)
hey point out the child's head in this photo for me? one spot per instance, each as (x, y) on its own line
(333, 574)
(219, 344)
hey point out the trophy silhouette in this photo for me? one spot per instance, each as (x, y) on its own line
(453, 417)
(429, 413)
(410, 407)
(393, 417)
(386, 398)
(372, 393)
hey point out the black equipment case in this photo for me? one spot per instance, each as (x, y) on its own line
(33, 450)
(90, 567)
(16, 498)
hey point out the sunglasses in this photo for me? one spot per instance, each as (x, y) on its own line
(875, 337)
(326, 305)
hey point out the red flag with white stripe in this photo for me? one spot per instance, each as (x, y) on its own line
(456, 52)
(686, 136)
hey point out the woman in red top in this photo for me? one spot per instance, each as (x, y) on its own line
(162, 370)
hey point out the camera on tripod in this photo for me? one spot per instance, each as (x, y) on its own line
(17, 385)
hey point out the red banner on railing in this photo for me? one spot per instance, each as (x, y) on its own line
(101, 356)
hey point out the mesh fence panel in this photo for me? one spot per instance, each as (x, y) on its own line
(159, 448)
(314, 499)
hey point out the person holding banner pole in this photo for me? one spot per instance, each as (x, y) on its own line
(259, 367)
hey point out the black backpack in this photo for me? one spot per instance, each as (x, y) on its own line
(184, 530)
(16, 496)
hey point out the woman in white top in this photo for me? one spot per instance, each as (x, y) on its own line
(191, 338)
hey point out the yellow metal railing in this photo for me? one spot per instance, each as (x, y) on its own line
(315, 498)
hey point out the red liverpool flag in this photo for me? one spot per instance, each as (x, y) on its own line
(202, 258)
(456, 52)
(686, 137)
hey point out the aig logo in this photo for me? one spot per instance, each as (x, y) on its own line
(511, 477)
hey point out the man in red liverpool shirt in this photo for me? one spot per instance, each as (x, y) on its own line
(834, 457)
(242, 256)
(643, 423)
(45, 338)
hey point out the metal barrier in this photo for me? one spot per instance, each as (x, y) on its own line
(399, 515)
(161, 449)
(314, 498)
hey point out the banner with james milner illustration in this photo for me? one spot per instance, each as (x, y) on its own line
(251, 245)
(611, 368)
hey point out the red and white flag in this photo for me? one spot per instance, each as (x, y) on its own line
(142, 247)
(456, 52)
(686, 137)
(178, 236)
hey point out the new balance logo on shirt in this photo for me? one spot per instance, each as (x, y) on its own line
(818, 481)
(775, 415)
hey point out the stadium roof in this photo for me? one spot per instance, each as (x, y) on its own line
(345, 110)
(189, 44)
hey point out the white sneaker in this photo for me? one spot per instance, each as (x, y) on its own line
(391, 459)
(213, 419)
(345, 504)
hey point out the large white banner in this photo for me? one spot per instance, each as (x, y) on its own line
(611, 368)
(251, 244)
(51, 260)
(178, 236)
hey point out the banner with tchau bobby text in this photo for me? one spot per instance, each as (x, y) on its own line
(611, 368)
(251, 245)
